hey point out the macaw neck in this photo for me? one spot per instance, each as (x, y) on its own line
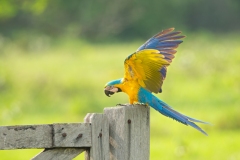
(136, 93)
(131, 88)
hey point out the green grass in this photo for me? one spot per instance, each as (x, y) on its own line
(63, 80)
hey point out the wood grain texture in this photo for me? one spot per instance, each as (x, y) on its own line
(121, 133)
(27, 136)
(59, 154)
(46, 136)
(129, 132)
(72, 135)
(100, 137)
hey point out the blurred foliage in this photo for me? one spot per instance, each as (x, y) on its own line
(107, 18)
(50, 73)
(63, 80)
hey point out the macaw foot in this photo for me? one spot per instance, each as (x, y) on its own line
(140, 104)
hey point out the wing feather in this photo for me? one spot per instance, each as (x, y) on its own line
(148, 65)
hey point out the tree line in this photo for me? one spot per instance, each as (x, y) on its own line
(123, 18)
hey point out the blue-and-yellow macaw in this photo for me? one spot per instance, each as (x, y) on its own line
(145, 71)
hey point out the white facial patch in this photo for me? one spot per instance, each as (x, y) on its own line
(114, 89)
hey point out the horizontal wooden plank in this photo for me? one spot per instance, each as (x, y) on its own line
(27, 136)
(45, 136)
(59, 153)
(72, 135)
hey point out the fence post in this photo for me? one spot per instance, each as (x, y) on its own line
(100, 137)
(121, 133)
(129, 132)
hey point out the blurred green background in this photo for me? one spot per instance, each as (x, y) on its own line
(56, 56)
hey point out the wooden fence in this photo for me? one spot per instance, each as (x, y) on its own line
(120, 133)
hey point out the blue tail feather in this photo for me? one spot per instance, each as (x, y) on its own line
(147, 97)
(181, 118)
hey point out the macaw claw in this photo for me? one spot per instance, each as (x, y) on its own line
(121, 104)
(140, 104)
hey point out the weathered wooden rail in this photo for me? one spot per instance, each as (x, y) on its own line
(120, 133)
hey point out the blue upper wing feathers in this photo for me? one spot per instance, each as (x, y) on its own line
(166, 42)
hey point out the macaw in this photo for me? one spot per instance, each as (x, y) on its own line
(145, 71)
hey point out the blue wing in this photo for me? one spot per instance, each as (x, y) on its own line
(166, 42)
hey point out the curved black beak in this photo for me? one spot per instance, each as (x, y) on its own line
(108, 93)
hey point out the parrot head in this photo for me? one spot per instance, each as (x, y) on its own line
(113, 87)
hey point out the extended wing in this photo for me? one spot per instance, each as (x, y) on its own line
(148, 64)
